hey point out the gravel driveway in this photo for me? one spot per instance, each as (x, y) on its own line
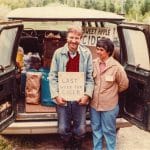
(133, 138)
(130, 138)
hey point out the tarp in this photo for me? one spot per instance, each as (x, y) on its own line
(45, 88)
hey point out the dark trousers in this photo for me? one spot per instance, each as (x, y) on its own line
(71, 121)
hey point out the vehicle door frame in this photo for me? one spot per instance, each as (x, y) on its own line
(8, 74)
(139, 75)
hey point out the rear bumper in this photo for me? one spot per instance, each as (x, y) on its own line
(36, 127)
(47, 127)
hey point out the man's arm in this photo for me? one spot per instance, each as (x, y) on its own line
(89, 82)
(53, 77)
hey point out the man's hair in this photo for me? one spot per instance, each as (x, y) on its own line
(107, 44)
(75, 29)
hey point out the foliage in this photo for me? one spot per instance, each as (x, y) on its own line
(4, 144)
(8, 142)
(4, 10)
(134, 9)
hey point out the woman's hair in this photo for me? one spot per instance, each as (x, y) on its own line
(107, 44)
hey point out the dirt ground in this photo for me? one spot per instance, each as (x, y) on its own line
(130, 138)
(133, 138)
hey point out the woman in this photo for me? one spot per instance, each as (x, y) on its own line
(110, 79)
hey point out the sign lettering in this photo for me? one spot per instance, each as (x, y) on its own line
(71, 85)
(92, 34)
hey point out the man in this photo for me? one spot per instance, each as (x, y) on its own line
(72, 57)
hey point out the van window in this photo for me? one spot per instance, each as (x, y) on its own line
(137, 50)
(7, 38)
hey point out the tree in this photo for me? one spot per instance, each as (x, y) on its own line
(100, 5)
(111, 7)
(117, 6)
(145, 7)
(4, 10)
(134, 9)
(87, 4)
(128, 5)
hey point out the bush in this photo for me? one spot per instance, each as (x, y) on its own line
(4, 144)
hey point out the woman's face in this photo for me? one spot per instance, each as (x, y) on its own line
(73, 40)
(102, 53)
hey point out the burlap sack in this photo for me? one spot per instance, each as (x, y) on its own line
(32, 90)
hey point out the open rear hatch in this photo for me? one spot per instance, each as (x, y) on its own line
(135, 56)
(10, 32)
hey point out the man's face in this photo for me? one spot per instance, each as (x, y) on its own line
(73, 40)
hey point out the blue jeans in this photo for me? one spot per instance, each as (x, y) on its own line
(104, 124)
(71, 121)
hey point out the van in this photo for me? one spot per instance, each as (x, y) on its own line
(39, 31)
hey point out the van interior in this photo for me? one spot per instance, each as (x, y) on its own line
(39, 46)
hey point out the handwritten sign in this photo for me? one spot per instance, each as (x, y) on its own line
(92, 34)
(71, 85)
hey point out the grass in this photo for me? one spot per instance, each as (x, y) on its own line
(8, 142)
(5, 144)
(38, 142)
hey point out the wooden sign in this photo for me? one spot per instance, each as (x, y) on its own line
(92, 34)
(71, 85)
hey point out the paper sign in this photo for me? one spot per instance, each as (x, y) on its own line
(92, 34)
(71, 85)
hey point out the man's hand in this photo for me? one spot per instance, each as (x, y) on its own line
(84, 100)
(60, 100)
